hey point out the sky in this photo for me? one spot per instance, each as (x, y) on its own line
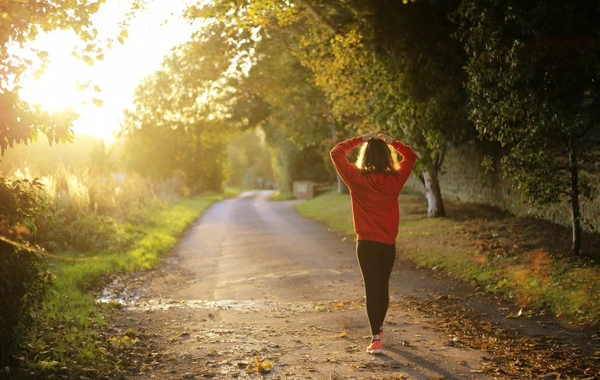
(152, 34)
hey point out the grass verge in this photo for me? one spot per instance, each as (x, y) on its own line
(279, 196)
(70, 338)
(524, 260)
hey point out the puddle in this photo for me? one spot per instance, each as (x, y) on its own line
(248, 305)
(133, 301)
(118, 292)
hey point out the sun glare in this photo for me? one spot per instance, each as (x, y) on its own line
(69, 83)
(57, 88)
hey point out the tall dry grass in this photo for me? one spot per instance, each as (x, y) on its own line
(94, 210)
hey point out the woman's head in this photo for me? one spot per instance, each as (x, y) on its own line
(376, 157)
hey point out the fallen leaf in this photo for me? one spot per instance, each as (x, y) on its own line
(514, 315)
(260, 366)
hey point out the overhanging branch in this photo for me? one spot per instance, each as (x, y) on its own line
(318, 16)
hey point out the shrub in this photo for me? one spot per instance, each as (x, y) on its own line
(23, 277)
(23, 281)
(88, 207)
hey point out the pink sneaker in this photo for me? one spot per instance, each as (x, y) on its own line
(375, 347)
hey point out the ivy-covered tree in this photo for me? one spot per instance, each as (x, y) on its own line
(534, 84)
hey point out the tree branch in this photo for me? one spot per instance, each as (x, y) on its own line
(319, 17)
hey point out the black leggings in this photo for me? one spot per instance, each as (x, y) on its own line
(376, 261)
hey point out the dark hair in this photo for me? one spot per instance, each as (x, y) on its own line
(376, 157)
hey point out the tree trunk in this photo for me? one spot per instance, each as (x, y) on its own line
(341, 186)
(435, 203)
(575, 208)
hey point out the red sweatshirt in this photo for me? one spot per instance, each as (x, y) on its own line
(374, 196)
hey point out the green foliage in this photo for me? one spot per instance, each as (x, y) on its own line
(184, 111)
(297, 108)
(22, 204)
(521, 93)
(291, 110)
(533, 77)
(23, 277)
(283, 154)
(249, 160)
(91, 210)
(309, 165)
(23, 283)
(99, 223)
(87, 209)
(336, 69)
(177, 127)
(393, 67)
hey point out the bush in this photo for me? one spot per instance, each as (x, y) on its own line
(23, 278)
(23, 281)
(89, 206)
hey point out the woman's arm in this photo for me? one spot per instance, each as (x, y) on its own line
(338, 155)
(408, 156)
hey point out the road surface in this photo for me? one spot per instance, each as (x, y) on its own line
(254, 291)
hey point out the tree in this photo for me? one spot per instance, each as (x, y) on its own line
(381, 65)
(297, 119)
(162, 146)
(275, 91)
(401, 71)
(415, 80)
(533, 81)
(23, 278)
(176, 126)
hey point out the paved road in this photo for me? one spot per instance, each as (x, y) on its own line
(252, 279)
(250, 248)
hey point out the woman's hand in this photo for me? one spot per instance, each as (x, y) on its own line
(386, 138)
(368, 136)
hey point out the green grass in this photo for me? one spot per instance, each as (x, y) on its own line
(69, 330)
(534, 278)
(279, 196)
(331, 209)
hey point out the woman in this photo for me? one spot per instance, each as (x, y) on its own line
(375, 184)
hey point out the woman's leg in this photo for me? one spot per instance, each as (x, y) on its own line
(376, 262)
